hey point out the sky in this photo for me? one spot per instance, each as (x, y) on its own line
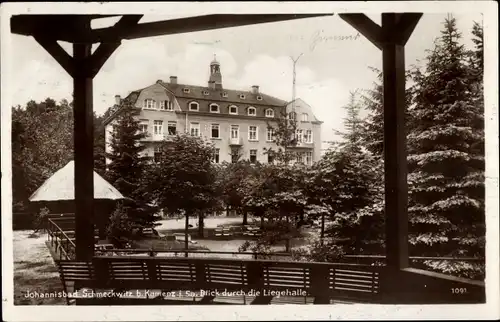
(335, 60)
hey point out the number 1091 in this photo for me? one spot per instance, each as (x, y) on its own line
(458, 290)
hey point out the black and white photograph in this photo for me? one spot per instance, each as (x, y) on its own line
(187, 161)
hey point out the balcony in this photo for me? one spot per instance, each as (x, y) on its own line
(156, 137)
(236, 141)
(303, 144)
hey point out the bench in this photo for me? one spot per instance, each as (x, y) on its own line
(319, 280)
(223, 232)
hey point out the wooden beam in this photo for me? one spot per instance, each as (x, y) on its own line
(396, 186)
(365, 26)
(84, 153)
(105, 50)
(192, 24)
(59, 26)
(58, 53)
(405, 26)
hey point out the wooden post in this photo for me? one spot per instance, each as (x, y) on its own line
(396, 186)
(186, 235)
(84, 152)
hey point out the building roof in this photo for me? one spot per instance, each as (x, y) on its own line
(215, 95)
(233, 96)
(61, 186)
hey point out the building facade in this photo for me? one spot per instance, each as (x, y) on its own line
(237, 122)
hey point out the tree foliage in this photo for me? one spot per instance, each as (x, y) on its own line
(128, 168)
(184, 179)
(446, 153)
(42, 143)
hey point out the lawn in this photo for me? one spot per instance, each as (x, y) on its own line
(34, 270)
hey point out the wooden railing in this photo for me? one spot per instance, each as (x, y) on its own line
(323, 281)
(60, 240)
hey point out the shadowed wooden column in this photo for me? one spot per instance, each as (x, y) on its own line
(395, 174)
(84, 152)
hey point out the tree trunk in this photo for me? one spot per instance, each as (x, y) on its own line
(288, 232)
(186, 235)
(322, 228)
(245, 218)
(201, 225)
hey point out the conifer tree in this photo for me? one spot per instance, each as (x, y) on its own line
(128, 168)
(446, 162)
(346, 184)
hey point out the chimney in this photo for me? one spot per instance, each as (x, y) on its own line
(255, 89)
(118, 99)
(173, 80)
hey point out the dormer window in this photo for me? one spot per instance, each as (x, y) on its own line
(252, 111)
(259, 98)
(242, 96)
(185, 90)
(269, 112)
(206, 93)
(149, 103)
(224, 94)
(233, 109)
(214, 108)
(194, 106)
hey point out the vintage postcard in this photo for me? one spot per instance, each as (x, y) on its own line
(189, 161)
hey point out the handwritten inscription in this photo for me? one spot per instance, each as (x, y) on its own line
(319, 37)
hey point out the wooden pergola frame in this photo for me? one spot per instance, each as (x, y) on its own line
(83, 66)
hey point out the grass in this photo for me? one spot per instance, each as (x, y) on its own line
(34, 270)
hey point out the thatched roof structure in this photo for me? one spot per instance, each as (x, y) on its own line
(61, 186)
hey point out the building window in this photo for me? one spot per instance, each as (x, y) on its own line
(270, 157)
(270, 134)
(185, 90)
(172, 127)
(298, 135)
(143, 127)
(157, 154)
(216, 155)
(259, 98)
(158, 128)
(215, 133)
(292, 116)
(149, 103)
(305, 117)
(235, 155)
(233, 110)
(206, 93)
(308, 137)
(224, 94)
(309, 158)
(252, 133)
(253, 156)
(169, 105)
(235, 131)
(194, 129)
(269, 112)
(214, 108)
(252, 111)
(242, 96)
(194, 106)
(162, 105)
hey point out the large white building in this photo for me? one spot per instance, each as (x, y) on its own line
(231, 119)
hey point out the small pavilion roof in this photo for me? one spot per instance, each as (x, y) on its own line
(61, 186)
